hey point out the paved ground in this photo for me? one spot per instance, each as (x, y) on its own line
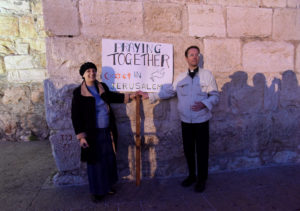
(26, 168)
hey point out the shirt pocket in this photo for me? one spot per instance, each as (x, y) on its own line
(183, 89)
(202, 90)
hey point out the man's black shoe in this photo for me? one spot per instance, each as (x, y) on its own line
(112, 191)
(188, 181)
(200, 187)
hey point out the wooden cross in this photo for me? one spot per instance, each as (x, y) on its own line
(138, 142)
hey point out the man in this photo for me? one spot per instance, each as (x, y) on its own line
(197, 93)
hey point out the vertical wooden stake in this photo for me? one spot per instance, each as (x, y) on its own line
(138, 142)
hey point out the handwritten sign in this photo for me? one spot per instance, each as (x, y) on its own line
(134, 65)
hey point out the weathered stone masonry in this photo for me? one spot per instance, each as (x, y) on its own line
(252, 48)
(22, 71)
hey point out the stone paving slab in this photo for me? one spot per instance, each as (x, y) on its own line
(27, 167)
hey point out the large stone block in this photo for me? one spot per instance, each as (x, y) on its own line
(9, 26)
(268, 56)
(35, 44)
(274, 3)
(297, 68)
(246, 3)
(65, 55)
(24, 76)
(286, 24)
(162, 17)
(293, 3)
(102, 18)
(65, 149)
(58, 99)
(19, 62)
(206, 20)
(222, 55)
(27, 27)
(61, 17)
(14, 7)
(242, 22)
(22, 48)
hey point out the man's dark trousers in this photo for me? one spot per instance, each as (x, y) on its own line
(196, 136)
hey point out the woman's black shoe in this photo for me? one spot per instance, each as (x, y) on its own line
(188, 181)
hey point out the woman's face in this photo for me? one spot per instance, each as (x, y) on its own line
(90, 75)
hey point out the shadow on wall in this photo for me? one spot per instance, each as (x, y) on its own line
(256, 125)
(251, 126)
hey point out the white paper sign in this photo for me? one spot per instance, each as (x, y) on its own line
(134, 65)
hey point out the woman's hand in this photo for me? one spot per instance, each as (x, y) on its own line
(83, 143)
(132, 96)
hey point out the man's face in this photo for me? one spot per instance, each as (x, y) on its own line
(193, 58)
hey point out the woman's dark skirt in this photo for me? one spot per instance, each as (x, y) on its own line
(103, 174)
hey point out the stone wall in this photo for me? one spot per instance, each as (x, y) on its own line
(22, 71)
(251, 46)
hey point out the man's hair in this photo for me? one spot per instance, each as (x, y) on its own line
(187, 50)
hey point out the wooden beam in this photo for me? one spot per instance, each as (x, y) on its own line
(138, 142)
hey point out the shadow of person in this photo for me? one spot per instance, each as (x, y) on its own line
(169, 149)
(287, 117)
(162, 139)
(259, 88)
(271, 95)
(289, 90)
(233, 120)
(235, 95)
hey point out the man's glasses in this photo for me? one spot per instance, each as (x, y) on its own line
(194, 55)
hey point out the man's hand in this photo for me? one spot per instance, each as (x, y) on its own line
(197, 106)
(143, 94)
(83, 143)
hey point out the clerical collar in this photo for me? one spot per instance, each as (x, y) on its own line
(192, 73)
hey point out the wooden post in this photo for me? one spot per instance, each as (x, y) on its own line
(138, 142)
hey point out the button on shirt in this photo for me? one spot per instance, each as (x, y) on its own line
(102, 114)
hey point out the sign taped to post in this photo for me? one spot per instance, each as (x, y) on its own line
(135, 65)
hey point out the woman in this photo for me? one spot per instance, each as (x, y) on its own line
(94, 123)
